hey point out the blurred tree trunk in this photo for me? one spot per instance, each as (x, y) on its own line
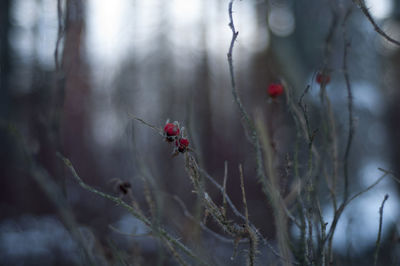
(5, 100)
(392, 246)
(5, 64)
(394, 99)
(75, 122)
(394, 111)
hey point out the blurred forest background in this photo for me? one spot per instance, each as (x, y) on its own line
(72, 74)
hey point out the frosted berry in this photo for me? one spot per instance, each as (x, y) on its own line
(171, 131)
(182, 144)
(275, 90)
(322, 78)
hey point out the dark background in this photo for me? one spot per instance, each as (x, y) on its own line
(162, 60)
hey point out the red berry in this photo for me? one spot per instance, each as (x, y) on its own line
(182, 145)
(275, 90)
(322, 78)
(171, 131)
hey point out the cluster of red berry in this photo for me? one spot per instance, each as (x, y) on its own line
(173, 133)
(276, 89)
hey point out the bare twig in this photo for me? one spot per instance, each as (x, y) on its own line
(276, 200)
(364, 9)
(227, 198)
(350, 108)
(346, 201)
(164, 235)
(147, 124)
(60, 34)
(241, 216)
(322, 225)
(203, 226)
(344, 204)
(378, 240)
(224, 187)
(366, 189)
(235, 94)
(252, 239)
(303, 107)
(194, 172)
(248, 123)
(393, 174)
(246, 211)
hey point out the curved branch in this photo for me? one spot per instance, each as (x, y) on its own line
(364, 9)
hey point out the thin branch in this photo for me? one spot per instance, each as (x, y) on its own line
(221, 189)
(350, 109)
(393, 174)
(145, 123)
(364, 9)
(253, 240)
(194, 170)
(224, 187)
(60, 34)
(248, 125)
(378, 240)
(246, 211)
(203, 226)
(238, 214)
(367, 189)
(330, 124)
(235, 94)
(346, 201)
(323, 225)
(164, 235)
(303, 107)
(344, 204)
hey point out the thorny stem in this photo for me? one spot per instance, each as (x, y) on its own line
(323, 225)
(203, 226)
(350, 109)
(364, 9)
(309, 185)
(346, 200)
(233, 207)
(378, 240)
(60, 34)
(253, 240)
(224, 187)
(238, 214)
(231, 69)
(246, 211)
(157, 230)
(147, 124)
(249, 126)
(194, 171)
(299, 113)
